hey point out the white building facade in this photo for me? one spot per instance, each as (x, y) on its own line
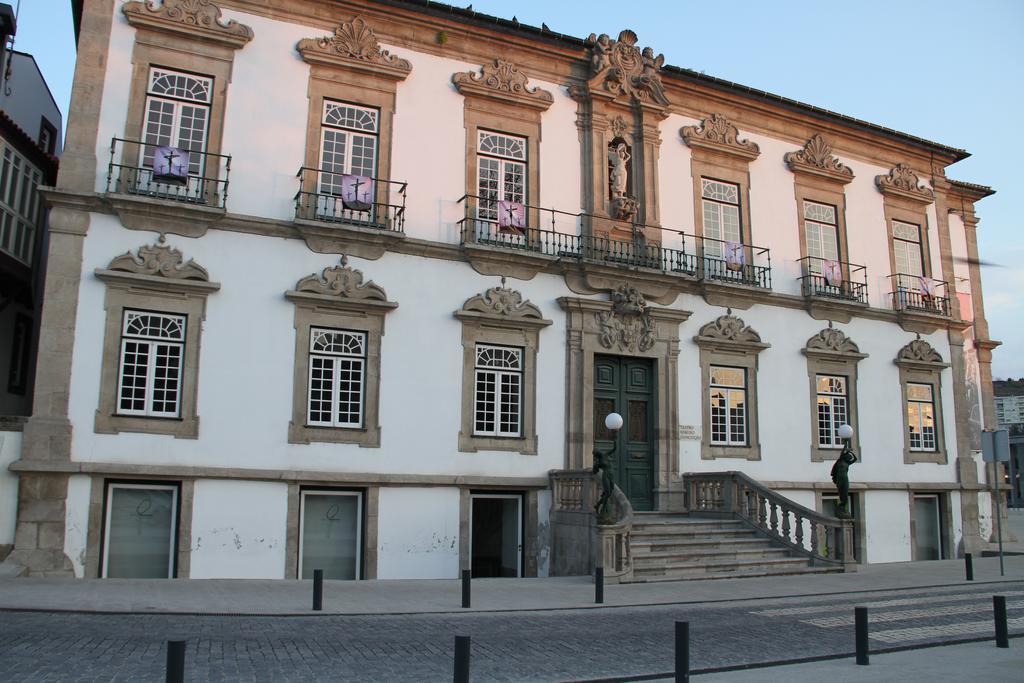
(364, 322)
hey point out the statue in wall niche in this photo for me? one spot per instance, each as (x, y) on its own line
(603, 464)
(841, 477)
(618, 177)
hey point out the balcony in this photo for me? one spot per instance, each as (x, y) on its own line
(166, 191)
(919, 294)
(131, 172)
(374, 203)
(836, 280)
(736, 263)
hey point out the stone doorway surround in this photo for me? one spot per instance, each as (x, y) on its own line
(624, 325)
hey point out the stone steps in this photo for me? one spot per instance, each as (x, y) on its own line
(668, 547)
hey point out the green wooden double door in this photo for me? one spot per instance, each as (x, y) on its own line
(626, 386)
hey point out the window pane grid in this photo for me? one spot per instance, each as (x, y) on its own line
(498, 391)
(499, 145)
(351, 117)
(180, 86)
(337, 369)
(833, 409)
(728, 406)
(150, 374)
(921, 417)
(350, 147)
(721, 213)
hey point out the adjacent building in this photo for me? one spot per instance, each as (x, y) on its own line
(353, 286)
(1009, 403)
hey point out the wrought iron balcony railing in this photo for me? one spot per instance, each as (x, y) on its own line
(834, 279)
(356, 200)
(919, 293)
(525, 231)
(134, 169)
(737, 263)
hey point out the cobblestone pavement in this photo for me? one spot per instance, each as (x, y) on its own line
(510, 646)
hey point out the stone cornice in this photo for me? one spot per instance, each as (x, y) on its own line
(901, 181)
(503, 81)
(188, 18)
(718, 134)
(816, 158)
(354, 46)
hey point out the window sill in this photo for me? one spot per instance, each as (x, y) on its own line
(714, 452)
(516, 444)
(364, 437)
(178, 427)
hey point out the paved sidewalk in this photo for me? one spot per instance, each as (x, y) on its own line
(285, 597)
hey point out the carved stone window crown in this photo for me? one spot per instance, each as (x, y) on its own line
(920, 353)
(502, 80)
(505, 306)
(718, 134)
(728, 330)
(341, 286)
(192, 18)
(354, 45)
(901, 181)
(817, 159)
(833, 343)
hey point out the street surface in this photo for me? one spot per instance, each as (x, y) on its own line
(555, 645)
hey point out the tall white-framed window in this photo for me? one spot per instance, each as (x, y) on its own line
(337, 378)
(721, 208)
(498, 385)
(821, 231)
(907, 254)
(921, 416)
(833, 409)
(140, 531)
(331, 533)
(501, 172)
(728, 396)
(177, 115)
(19, 204)
(150, 377)
(348, 144)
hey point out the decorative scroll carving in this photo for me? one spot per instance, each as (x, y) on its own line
(903, 182)
(341, 281)
(619, 126)
(816, 157)
(160, 260)
(728, 328)
(619, 67)
(919, 351)
(505, 303)
(354, 44)
(503, 80)
(719, 134)
(831, 341)
(628, 326)
(194, 18)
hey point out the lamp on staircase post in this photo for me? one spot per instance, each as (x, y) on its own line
(603, 465)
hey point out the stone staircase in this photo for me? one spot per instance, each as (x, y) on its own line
(674, 547)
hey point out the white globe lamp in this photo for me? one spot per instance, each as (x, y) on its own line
(845, 432)
(613, 422)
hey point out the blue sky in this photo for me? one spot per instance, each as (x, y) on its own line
(942, 70)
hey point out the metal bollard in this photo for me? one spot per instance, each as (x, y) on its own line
(461, 659)
(318, 589)
(175, 661)
(599, 585)
(682, 652)
(467, 574)
(999, 611)
(969, 566)
(861, 628)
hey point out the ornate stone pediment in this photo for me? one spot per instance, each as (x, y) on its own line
(833, 342)
(729, 331)
(816, 158)
(503, 305)
(919, 352)
(718, 134)
(504, 81)
(628, 326)
(354, 45)
(159, 260)
(193, 18)
(341, 281)
(619, 67)
(903, 182)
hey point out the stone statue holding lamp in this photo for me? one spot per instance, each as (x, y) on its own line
(840, 472)
(603, 464)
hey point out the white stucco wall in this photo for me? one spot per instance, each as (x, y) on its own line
(10, 450)
(238, 529)
(76, 524)
(418, 533)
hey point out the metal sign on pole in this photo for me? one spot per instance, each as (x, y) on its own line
(995, 448)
